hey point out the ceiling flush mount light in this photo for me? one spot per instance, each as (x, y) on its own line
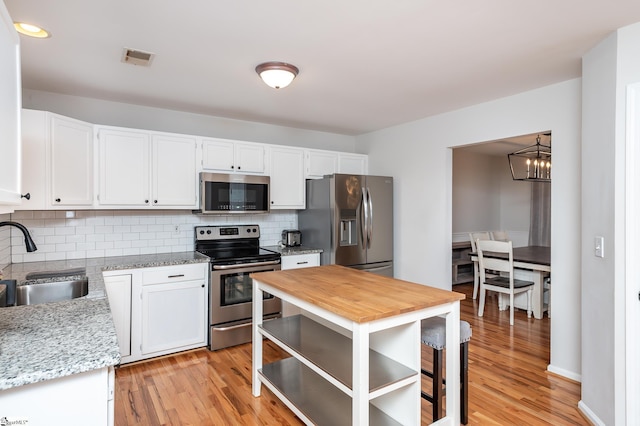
(31, 30)
(533, 163)
(277, 74)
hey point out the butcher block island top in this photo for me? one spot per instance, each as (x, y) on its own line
(352, 294)
(356, 349)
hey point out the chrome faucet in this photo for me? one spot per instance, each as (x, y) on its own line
(28, 242)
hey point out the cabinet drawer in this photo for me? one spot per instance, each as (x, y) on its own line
(174, 273)
(300, 261)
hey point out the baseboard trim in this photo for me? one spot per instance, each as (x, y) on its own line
(564, 373)
(590, 415)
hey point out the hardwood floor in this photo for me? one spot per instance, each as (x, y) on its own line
(508, 381)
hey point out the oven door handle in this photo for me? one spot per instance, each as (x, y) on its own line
(245, 265)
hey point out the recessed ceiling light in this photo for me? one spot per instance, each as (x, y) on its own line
(31, 30)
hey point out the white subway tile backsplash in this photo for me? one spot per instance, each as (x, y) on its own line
(54, 239)
(99, 233)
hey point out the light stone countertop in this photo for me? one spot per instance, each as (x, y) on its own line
(292, 251)
(52, 340)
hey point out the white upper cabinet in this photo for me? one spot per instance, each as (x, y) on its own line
(35, 134)
(287, 178)
(124, 168)
(57, 162)
(320, 163)
(353, 164)
(229, 156)
(10, 102)
(175, 179)
(141, 169)
(71, 150)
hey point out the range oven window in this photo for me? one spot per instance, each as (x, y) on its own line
(237, 288)
(236, 196)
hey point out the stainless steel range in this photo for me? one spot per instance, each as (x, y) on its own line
(235, 253)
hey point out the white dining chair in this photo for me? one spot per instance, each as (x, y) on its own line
(505, 283)
(500, 236)
(473, 236)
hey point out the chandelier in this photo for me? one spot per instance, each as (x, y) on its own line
(533, 163)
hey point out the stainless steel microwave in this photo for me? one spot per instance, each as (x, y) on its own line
(233, 193)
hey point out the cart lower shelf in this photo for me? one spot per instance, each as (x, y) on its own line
(313, 398)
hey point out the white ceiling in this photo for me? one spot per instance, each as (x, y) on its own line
(364, 64)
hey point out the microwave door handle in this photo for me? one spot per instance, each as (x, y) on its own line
(370, 235)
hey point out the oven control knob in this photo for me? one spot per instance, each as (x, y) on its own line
(208, 231)
(248, 230)
(201, 232)
(255, 230)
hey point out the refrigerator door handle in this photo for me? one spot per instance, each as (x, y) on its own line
(370, 233)
(365, 221)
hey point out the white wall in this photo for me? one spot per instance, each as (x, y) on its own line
(99, 233)
(475, 193)
(607, 71)
(486, 198)
(419, 157)
(97, 111)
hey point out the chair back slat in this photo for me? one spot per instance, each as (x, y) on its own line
(473, 236)
(495, 264)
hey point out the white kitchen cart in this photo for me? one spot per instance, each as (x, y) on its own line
(352, 318)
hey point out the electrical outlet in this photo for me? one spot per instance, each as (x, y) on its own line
(598, 246)
(176, 229)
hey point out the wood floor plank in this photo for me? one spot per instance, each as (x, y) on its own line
(508, 381)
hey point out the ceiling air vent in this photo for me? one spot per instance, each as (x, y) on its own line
(137, 57)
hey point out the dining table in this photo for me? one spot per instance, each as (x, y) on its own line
(530, 263)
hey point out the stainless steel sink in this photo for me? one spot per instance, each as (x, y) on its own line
(54, 274)
(51, 292)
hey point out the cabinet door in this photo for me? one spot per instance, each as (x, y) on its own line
(297, 261)
(249, 158)
(124, 168)
(119, 294)
(10, 103)
(353, 164)
(174, 171)
(34, 159)
(218, 154)
(287, 178)
(320, 163)
(173, 316)
(71, 147)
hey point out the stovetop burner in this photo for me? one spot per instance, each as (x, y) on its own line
(228, 245)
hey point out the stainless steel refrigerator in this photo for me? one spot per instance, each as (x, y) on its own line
(350, 217)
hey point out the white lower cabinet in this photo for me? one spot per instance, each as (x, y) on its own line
(166, 308)
(119, 294)
(76, 400)
(297, 261)
(173, 316)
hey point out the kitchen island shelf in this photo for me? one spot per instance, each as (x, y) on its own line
(352, 318)
(330, 354)
(311, 397)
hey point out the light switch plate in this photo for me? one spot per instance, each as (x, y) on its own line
(598, 246)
